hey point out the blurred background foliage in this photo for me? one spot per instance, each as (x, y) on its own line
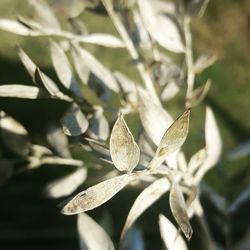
(34, 221)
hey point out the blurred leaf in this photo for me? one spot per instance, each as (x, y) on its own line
(170, 91)
(170, 235)
(199, 94)
(124, 151)
(63, 68)
(96, 68)
(6, 170)
(74, 121)
(161, 27)
(240, 151)
(197, 160)
(145, 199)
(14, 136)
(44, 14)
(67, 184)
(98, 146)
(203, 62)
(197, 7)
(133, 240)
(91, 235)
(20, 91)
(16, 27)
(179, 209)
(96, 195)
(102, 39)
(154, 118)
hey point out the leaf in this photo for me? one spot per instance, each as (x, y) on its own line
(170, 235)
(102, 39)
(96, 68)
(161, 27)
(16, 27)
(145, 199)
(154, 118)
(74, 121)
(14, 136)
(198, 94)
(6, 170)
(213, 145)
(133, 241)
(179, 209)
(124, 151)
(67, 184)
(63, 68)
(170, 91)
(172, 140)
(96, 195)
(20, 91)
(197, 7)
(204, 61)
(197, 160)
(91, 235)
(44, 14)
(99, 125)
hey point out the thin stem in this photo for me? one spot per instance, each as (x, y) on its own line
(131, 49)
(189, 57)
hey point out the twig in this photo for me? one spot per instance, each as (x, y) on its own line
(131, 49)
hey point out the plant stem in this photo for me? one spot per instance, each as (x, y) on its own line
(144, 73)
(189, 57)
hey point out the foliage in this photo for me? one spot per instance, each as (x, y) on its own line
(156, 35)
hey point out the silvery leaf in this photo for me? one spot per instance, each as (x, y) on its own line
(103, 74)
(16, 27)
(20, 91)
(96, 195)
(91, 235)
(14, 136)
(133, 240)
(145, 199)
(170, 235)
(240, 151)
(63, 68)
(172, 140)
(44, 14)
(161, 27)
(198, 94)
(213, 144)
(197, 160)
(179, 209)
(154, 118)
(74, 121)
(124, 151)
(197, 7)
(67, 184)
(203, 62)
(102, 39)
(170, 91)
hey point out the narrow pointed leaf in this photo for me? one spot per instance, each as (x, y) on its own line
(170, 91)
(74, 121)
(97, 68)
(96, 195)
(145, 199)
(63, 68)
(170, 235)
(102, 39)
(203, 62)
(179, 209)
(124, 151)
(91, 235)
(66, 185)
(196, 160)
(20, 91)
(154, 118)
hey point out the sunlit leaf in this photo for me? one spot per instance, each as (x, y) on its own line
(161, 27)
(96, 195)
(66, 185)
(146, 198)
(91, 235)
(14, 136)
(102, 39)
(20, 91)
(124, 151)
(170, 235)
(96, 68)
(44, 14)
(179, 209)
(16, 27)
(74, 121)
(154, 118)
